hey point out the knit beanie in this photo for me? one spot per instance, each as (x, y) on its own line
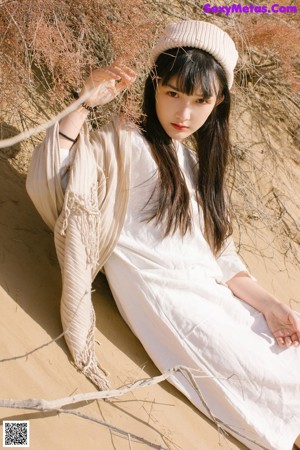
(203, 35)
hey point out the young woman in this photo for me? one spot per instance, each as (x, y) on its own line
(155, 215)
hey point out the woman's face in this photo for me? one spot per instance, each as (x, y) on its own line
(180, 114)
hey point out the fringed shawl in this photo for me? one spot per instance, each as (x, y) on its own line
(86, 221)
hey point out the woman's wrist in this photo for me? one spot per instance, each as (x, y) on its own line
(87, 107)
(267, 303)
(83, 111)
(70, 126)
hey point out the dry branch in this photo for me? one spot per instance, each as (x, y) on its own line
(58, 404)
(50, 405)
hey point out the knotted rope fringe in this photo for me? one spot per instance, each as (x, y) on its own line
(88, 218)
(81, 224)
(87, 362)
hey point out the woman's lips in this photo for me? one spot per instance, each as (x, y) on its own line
(178, 127)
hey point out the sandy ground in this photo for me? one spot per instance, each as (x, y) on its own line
(29, 317)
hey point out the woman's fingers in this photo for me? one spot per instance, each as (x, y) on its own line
(113, 73)
(98, 76)
(127, 77)
(125, 82)
(105, 83)
(285, 326)
(295, 339)
(287, 341)
(129, 73)
(282, 342)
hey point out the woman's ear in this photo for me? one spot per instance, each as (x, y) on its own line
(219, 100)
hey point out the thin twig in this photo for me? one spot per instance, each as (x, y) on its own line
(112, 428)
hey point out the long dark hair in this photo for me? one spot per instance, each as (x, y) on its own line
(193, 68)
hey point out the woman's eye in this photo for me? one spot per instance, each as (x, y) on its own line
(172, 94)
(200, 100)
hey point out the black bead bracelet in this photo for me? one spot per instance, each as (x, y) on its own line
(88, 107)
(83, 104)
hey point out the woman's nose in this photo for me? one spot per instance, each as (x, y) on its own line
(183, 112)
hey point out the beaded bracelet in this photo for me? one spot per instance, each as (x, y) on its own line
(88, 107)
(83, 104)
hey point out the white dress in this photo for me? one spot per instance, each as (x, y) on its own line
(172, 294)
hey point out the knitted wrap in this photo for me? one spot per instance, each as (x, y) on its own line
(87, 222)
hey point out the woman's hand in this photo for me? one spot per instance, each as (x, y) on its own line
(101, 87)
(284, 324)
(282, 321)
(106, 83)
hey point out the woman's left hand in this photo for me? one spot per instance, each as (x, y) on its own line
(284, 324)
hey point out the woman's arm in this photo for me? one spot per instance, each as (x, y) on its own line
(284, 323)
(251, 292)
(104, 85)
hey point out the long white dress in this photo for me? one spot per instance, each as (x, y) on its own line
(172, 293)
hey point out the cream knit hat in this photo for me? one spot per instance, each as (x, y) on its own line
(203, 35)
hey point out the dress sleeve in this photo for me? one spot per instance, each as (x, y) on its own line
(229, 261)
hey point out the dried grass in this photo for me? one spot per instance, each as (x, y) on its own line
(273, 46)
(49, 46)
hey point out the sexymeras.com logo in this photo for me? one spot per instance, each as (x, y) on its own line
(256, 9)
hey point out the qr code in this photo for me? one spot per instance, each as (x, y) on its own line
(16, 433)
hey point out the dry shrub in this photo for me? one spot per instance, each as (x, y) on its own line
(49, 46)
(273, 48)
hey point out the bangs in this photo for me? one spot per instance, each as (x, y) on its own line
(195, 71)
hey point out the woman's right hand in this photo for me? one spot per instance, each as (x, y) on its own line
(101, 87)
(106, 83)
